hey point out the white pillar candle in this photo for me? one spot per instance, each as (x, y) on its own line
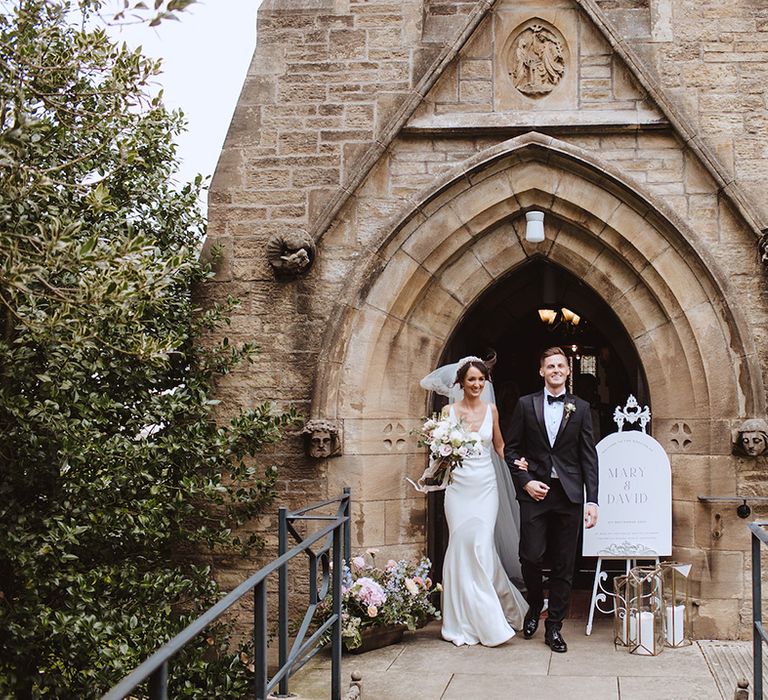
(625, 635)
(645, 637)
(675, 618)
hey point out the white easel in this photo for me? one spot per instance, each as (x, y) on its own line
(631, 413)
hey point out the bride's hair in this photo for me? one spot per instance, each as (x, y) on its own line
(461, 372)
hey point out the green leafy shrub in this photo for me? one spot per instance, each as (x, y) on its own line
(114, 475)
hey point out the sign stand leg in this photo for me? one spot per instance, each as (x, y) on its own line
(593, 602)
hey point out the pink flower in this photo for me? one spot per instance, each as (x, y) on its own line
(419, 580)
(391, 564)
(368, 591)
(372, 611)
(358, 563)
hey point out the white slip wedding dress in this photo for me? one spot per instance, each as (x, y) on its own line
(480, 604)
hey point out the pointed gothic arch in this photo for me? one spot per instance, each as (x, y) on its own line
(398, 311)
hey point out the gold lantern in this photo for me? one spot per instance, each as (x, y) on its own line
(677, 603)
(620, 612)
(645, 611)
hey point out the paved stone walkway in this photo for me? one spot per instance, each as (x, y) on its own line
(423, 667)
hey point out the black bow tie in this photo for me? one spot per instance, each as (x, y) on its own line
(555, 399)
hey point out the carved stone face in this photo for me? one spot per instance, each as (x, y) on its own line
(320, 444)
(753, 442)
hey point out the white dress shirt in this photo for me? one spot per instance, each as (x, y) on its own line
(553, 416)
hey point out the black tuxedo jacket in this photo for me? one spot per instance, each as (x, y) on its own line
(573, 455)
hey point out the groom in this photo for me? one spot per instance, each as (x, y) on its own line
(551, 454)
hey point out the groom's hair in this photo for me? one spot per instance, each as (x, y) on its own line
(549, 352)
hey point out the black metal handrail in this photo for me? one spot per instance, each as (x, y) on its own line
(759, 636)
(302, 651)
(330, 540)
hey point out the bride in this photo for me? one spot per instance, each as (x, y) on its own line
(480, 603)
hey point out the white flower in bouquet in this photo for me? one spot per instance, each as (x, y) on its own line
(439, 432)
(430, 424)
(410, 584)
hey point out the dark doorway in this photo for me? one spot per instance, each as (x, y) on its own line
(539, 305)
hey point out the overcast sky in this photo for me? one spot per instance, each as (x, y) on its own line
(205, 59)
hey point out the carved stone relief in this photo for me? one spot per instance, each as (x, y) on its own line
(322, 439)
(751, 438)
(681, 435)
(394, 437)
(536, 61)
(291, 254)
(763, 248)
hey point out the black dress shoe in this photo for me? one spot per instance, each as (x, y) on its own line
(554, 640)
(530, 624)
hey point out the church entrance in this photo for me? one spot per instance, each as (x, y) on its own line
(538, 305)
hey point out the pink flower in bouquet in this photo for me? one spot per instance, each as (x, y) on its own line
(368, 591)
(372, 611)
(391, 565)
(358, 563)
(445, 450)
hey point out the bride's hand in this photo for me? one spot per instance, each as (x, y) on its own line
(521, 463)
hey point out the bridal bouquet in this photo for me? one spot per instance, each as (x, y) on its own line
(449, 444)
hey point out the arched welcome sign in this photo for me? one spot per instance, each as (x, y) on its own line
(635, 496)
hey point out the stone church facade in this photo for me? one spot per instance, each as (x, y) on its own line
(370, 206)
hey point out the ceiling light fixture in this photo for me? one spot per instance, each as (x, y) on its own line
(534, 226)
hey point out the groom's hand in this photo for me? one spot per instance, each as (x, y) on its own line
(590, 516)
(536, 489)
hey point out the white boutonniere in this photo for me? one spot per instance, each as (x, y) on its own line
(569, 408)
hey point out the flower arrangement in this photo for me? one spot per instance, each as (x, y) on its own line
(569, 408)
(398, 594)
(449, 444)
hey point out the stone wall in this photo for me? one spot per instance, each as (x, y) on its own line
(375, 117)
